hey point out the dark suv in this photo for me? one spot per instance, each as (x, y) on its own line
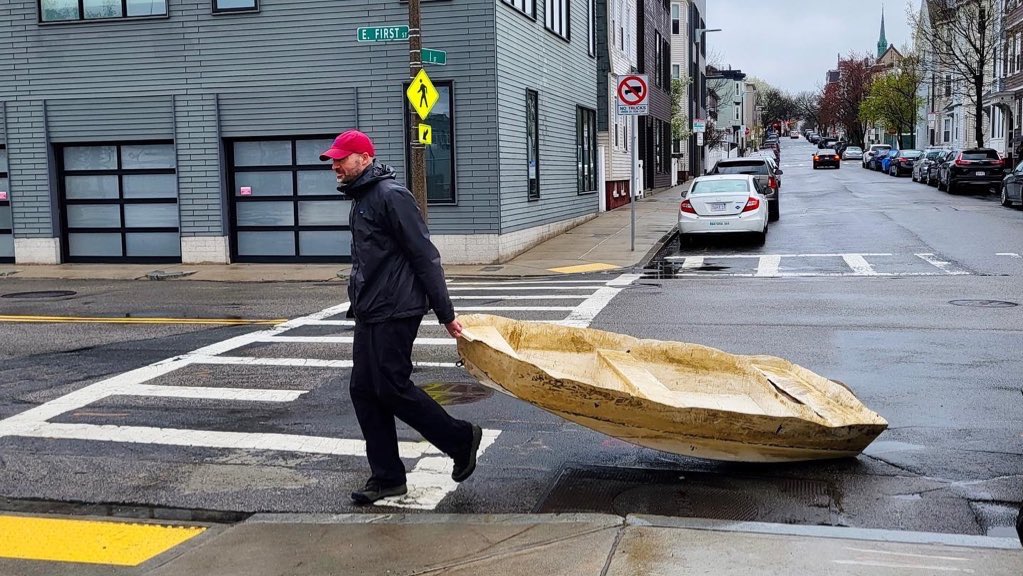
(972, 167)
(764, 171)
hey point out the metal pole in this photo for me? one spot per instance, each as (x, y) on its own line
(632, 185)
(415, 64)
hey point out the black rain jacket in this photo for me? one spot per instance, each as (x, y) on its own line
(396, 269)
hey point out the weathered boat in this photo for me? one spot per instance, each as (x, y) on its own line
(676, 397)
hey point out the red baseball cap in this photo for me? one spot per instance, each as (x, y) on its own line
(350, 142)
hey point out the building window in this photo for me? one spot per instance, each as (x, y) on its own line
(557, 17)
(440, 156)
(6, 219)
(119, 202)
(948, 85)
(221, 6)
(658, 60)
(676, 20)
(74, 10)
(533, 143)
(586, 150)
(946, 132)
(284, 202)
(676, 71)
(527, 7)
(591, 17)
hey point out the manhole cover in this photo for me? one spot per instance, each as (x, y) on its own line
(984, 303)
(451, 393)
(41, 294)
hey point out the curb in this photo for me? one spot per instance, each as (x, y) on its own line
(507, 519)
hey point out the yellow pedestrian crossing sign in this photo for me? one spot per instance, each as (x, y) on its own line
(425, 134)
(422, 95)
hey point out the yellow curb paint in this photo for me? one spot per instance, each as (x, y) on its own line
(139, 320)
(584, 268)
(88, 542)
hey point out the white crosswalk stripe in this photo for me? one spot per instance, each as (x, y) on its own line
(429, 481)
(853, 264)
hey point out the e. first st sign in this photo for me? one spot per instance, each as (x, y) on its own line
(632, 95)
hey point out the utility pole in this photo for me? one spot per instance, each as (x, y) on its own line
(415, 64)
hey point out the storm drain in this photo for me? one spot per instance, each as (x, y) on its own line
(625, 491)
(984, 303)
(40, 294)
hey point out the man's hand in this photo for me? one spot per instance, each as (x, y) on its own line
(454, 328)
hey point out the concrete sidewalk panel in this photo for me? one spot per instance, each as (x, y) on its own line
(676, 551)
(385, 544)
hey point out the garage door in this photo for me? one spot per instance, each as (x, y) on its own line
(285, 206)
(119, 203)
(6, 222)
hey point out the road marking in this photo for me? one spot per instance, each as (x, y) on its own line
(141, 320)
(297, 362)
(87, 541)
(527, 282)
(344, 340)
(859, 265)
(946, 267)
(692, 262)
(769, 266)
(876, 564)
(585, 312)
(208, 393)
(598, 267)
(909, 555)
(1009, 254)
(716, 256)
(520, 297)
(483, 289)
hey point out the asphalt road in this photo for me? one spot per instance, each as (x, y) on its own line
(898, 290)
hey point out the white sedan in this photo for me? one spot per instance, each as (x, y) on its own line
(724, 203)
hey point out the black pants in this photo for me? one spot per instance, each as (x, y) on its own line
(381, 389)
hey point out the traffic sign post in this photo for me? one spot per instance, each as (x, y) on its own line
(422, 94)
(632, 101)
(382, 33)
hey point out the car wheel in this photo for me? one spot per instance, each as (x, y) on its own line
(761, 238)
(951, 187)
(837, 166)
(1005, 197)
(773, 211)
(941, 184)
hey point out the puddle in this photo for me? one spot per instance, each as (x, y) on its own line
(453, 393)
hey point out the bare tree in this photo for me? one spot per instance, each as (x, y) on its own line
(808, 106)
(962, 38)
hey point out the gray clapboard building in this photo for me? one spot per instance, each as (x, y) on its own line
(189, 130)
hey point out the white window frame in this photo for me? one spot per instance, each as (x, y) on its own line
(676, 18)
(676, 71)
(557, 18)
(591, 31)
(527, 7)
(946, 132)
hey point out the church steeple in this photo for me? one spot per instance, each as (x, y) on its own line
(882, 42)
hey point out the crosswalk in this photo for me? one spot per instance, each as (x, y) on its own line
(567, 302)
(854, 264)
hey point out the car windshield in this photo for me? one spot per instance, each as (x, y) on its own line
(854, 149)
(880, 148)
(755, 167)
(980, 155)
(911, 153)
(718, 186)
(826, 151)
(935, 154)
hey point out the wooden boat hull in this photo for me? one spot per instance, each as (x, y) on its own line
(674, 397)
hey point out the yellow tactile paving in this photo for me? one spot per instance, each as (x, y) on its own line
(86, 541)
(584, 268)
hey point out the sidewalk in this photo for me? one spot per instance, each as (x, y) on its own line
(556, 545)
(600, 244)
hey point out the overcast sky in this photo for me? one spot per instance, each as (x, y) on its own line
(792, 44)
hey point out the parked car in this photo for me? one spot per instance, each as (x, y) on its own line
(763, 169)
(1012, 187)
(923, 166)
(794, 135)
(971, 167)
(723, 203)
(826, 157)
(772, 149)
(852, 153)
(903, 161)
(871, 154)
(828, 143)
(934, 175)
(880, 160)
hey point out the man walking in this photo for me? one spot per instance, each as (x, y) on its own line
(396, 279)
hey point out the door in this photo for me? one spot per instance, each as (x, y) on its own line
(6, 219)
(284, 202)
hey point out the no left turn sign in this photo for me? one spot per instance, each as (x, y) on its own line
(632, 94)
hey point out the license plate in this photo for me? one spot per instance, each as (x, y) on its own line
(981, 173)
(718, 206)
(719, 223)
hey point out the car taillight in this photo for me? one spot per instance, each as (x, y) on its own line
(961, 162)
(752, 204)
(816, 157)
(772, 183)
(687, 207)
(999, 162)
(903, 160)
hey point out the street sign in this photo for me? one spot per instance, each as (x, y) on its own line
(699, 138)
(425, 134)
(699, 125)
(382, 34)
(438, 57)
(422, 95)
(632, 95)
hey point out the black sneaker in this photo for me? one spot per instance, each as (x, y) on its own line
(373, 492)
(464, 468)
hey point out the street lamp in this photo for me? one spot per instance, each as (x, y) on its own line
(701, 31)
